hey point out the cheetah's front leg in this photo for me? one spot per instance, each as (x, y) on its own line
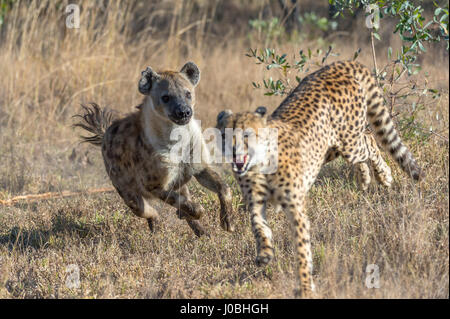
(300, 225)
(261, 231)
(256, 200)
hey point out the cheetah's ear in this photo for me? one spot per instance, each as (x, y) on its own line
(222, 116)
(145, 83)
(262, 110)
(191, 71)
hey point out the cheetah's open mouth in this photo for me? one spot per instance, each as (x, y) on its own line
(241, 167)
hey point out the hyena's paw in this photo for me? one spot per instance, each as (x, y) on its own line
(197, 211)
(264, 257)
(152, 224)
(191, 210)
(195, 225)
(197, 228)
(225, 222)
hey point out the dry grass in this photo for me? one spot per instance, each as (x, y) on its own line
(47, 70)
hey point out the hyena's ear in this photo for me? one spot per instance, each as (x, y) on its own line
(191, 71)
(261, 110)
(222, 117)
(145, 83)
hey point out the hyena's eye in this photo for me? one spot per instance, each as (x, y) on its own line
(165, 98)
(188, 95)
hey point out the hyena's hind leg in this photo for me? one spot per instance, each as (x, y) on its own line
(140, 207)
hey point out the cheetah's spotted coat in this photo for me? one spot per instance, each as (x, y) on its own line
(324, 117)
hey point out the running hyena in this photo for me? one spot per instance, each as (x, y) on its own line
(136, 149)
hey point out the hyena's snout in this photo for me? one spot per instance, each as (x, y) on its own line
(182, 114)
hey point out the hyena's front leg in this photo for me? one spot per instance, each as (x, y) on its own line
(195, 225)
(212, 181)
(191, 209)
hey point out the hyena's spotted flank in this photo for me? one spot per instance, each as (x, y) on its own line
(136, 149)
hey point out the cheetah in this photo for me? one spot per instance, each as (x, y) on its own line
(325, 116)
(136, 149)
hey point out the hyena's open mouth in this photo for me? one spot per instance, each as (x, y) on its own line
(181, 116)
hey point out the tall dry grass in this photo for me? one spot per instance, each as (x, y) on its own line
(47, 70)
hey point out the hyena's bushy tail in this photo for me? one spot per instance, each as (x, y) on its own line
(385, 131)
(94, 120)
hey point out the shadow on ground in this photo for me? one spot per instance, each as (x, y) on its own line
(22, 238)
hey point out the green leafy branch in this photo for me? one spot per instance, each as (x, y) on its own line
(273, 61)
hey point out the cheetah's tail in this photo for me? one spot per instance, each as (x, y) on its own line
(387, 135)
(94, 120)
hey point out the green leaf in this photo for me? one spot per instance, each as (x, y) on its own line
(421, 47)
(355, 56)
(256, 85)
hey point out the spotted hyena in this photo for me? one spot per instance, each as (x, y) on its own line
(136, 149)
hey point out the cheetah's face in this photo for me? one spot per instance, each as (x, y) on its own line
(246, 149)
